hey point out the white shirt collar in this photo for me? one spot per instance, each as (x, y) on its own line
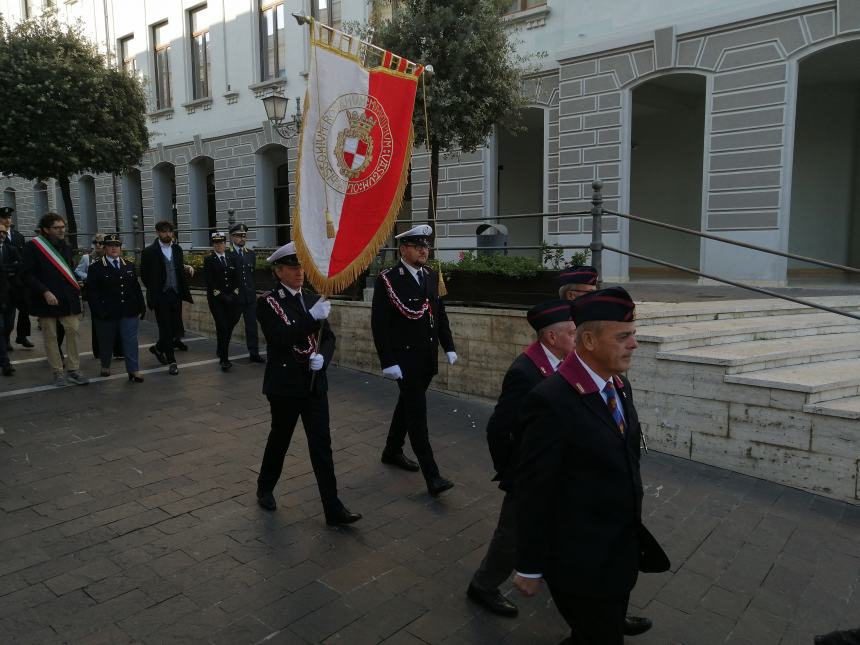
(412, 270)
(599, 381)
(553, 359)
(290, 289)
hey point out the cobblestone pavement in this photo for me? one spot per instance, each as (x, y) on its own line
(127, 515)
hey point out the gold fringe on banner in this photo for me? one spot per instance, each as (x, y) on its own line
(335, 284)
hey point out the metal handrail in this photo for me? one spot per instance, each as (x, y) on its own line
(746, 245)
(597, 247)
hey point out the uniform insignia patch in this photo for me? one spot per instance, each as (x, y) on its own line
(281, 293)
(401, 271)
(580, 388)
(543, 370)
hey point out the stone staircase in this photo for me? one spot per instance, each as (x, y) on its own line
(763, 387)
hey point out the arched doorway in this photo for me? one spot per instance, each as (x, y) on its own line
(272, 177)
(40, 200)
(88, 224)
(202, 192)
(520, 181)
(825, 190)
(132, 204)
(164, 193)
(666, 163)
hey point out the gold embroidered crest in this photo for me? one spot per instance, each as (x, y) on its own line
(354, 147)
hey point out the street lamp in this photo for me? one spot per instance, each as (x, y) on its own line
(276, 112)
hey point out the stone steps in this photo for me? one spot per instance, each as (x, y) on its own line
(743, 357)
(823, 381)
(686, 335)
(846, 408)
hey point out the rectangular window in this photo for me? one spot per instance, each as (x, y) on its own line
(327, 12)
(201, 60)
(522, 5)
(161, 54)
(272, 40)
(126, 57)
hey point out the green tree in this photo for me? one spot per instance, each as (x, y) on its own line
(477, 72)
(66, 110)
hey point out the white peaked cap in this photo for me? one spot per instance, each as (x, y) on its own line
(286, 249)
(422, 230)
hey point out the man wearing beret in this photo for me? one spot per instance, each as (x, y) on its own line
(221, 274)
(300, 347)
(247, 300)
(576, 281)
(409, 322)
(553, 322)
(578, 484)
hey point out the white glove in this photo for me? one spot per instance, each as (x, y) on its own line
(452, 357)
(189, 270)
(316, 361)
(321, 309)
(393, 372)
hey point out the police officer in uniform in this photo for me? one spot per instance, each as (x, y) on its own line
(300, 346)
(19, 293)
(116, 303)
(221, 272)
(409, 323)
(577, 281)
(8, 255)
(246, 260)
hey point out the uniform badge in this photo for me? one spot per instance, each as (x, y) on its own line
(580, 388)
(281, 293)
(401, 271)
(216, 292)
(543, 370)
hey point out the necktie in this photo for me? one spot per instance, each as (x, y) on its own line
(614, 406)
(116, 264)
(301, 300)
(421, 280)
(223, 261)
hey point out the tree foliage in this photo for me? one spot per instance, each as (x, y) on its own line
(66, 110)
(477, 71)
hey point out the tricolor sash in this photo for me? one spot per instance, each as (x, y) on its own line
(57, 260)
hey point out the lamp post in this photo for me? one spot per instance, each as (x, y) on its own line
(276, 111)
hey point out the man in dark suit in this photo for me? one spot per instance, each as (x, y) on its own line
(163, 273)
(300, 346)
(18, 292)
(221, 272)
(578, 483)
(409, 323)
(247, 262)
(55, 295)
(552, 321)
(5, 298)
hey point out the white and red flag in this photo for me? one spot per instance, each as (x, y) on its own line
(354, 154)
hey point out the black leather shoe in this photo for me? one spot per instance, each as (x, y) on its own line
(438, 485)
(401, 461)
(342, 516)
(492, 600)
(226, 365)
(173, 370)
(266, 500)
(635, 625)
(24, 342)
(848, 637)
(178, 344)
(256, 358)
(158, 354)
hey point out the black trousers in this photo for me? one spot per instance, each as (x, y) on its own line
(410, 417)
(226, 315)
(313, 411)
(592, 621)
(252, 340)
(168, 316)
(499, 562)
(23, 304)
(8, 322)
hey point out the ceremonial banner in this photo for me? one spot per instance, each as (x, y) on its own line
(356, 145)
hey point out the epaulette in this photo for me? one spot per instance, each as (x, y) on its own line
(265, 294)
(384, 271)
